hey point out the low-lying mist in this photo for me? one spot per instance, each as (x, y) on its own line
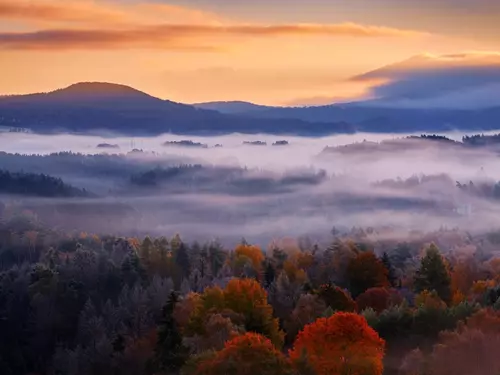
(220, 187)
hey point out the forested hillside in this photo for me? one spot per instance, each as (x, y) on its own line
(82, 303)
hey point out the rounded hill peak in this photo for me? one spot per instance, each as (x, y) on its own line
(98, 89)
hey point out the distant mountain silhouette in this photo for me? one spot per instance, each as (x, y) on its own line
(425, 93)
(95, 106)
(367, 118)
(231, 107)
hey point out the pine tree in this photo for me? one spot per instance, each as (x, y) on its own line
(433, 274)
(170, 353)
(269, 275)
(182, 260)
(391, 272)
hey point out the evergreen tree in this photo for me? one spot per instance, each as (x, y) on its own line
(433, 274)
(182, 260)
(391, 272)
(269, 275)
(132, 269)
(170, 353)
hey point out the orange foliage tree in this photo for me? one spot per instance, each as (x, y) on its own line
(463, 275)
(244, 301)
(249, 354)
(250, 253)
(341, 344)
(366, 271)
(429, 300)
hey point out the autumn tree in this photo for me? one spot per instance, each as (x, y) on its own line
(309, 308)
(429, 300)
(341, 344)
(249, 354)
(245, 302)
(471, 349)
(465, 352)
(433, 274)
(218, 329)
(463, 276)
(378, 299)
(366, 271)
(248, 253)
(336, 298)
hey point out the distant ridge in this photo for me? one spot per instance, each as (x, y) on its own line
(231, 107)
(98, 106)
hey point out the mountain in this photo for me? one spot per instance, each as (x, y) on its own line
(232, 107)
(423, 93)
(95, 106)
(366, 117)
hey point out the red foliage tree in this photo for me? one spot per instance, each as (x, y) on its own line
(376, 298)
(336, 298)
(341, 344)
(249, 354)
(366, 271)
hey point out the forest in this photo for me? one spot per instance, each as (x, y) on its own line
(83, 303)
(365, 258)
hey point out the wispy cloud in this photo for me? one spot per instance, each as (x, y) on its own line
(175, 36)
(92, 13)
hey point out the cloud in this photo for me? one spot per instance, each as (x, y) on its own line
(460, 80)
(173, 36)
(71, 11)
(91, 13)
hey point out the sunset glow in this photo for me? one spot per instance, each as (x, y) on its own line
(270, 52)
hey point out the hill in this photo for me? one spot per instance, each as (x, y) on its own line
(232, 107)
(366, 117)
(425, 93)
(40, 185)
(92, 107)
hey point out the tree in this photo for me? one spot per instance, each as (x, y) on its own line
(182, 258)
(269, 275)
(378, 299)
(309, 308)
(170, 353)
(433, 275)
(366, 271)
(248, 260)
(336, 298)
(249, 354)
(245, 302)
(283, 295)
(391, 271)
(247, 297)
(146, 253)
(341, 344)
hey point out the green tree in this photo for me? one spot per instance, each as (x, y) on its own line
(170, 353)
(433, 274)
(269, 274)
(391, 271)
(182, 260)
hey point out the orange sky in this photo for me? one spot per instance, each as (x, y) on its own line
(303, 54)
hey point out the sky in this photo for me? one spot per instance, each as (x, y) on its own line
(275, 52)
